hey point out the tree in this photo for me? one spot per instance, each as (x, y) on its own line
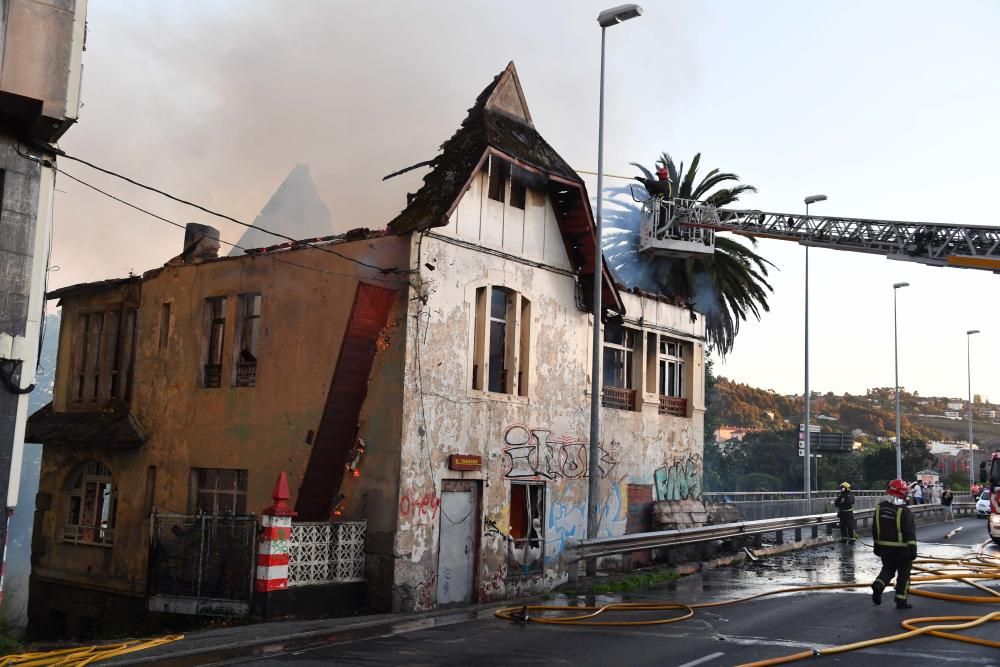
(726, 287)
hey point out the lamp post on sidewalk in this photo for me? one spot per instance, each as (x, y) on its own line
(605, 19)
(806, 482)
(895, 347)
(968, 361)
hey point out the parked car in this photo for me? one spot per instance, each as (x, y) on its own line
(983, 504)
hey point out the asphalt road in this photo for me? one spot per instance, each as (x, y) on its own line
(730, 635)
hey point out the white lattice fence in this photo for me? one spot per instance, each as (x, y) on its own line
(322, 552)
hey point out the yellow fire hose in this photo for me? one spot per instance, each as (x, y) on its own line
(83, 655)
(967, 569)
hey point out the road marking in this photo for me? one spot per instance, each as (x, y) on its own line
(712, 656)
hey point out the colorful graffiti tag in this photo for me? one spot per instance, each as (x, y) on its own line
(533, 453)
(567, 515)
(680, 480)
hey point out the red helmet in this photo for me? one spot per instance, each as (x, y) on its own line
(897, 487)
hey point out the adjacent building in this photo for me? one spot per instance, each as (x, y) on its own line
(431, 378)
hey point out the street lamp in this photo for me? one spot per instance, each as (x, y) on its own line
(605, 19)
(972, 457)
(811, 199)
(895, 347)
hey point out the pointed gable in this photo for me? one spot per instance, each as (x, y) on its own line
(500, 124)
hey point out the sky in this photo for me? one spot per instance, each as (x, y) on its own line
(890, 109)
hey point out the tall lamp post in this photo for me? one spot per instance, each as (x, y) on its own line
(895, 348)
(605, 19)
(972, 456)
(806, 482)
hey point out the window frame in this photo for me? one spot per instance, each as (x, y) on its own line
(100, 530)
(248, 319)
(620, 396)
(215, 342)
(514, 378)
(515, 567)
(199, 476)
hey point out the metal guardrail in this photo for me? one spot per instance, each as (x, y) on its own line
(601, 547)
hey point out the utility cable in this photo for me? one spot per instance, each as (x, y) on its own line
(234, 245)
(205, 209)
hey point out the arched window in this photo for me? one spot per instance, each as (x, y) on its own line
(90, 517)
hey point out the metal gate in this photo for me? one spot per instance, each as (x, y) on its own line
(202, 564)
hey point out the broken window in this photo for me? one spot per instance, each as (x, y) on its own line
(247, 341)
(90, 517)
(619, 366)
(217, 491)
(215, 316)
(526, 548)
(499, 173)
(518, 193)
(501, 346)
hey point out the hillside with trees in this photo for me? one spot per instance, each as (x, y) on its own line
(767, 456)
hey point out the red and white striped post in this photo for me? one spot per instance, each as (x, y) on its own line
(272, 552)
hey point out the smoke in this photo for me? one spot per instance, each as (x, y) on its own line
(217, 102)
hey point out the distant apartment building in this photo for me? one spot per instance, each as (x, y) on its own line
(432, 379)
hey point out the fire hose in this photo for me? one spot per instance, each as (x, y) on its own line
(968, 569)
(79, 656)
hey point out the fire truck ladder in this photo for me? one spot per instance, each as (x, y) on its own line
(682, 228)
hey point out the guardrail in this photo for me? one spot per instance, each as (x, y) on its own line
(601, 547)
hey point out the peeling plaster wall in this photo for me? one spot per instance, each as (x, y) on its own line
(542, 437)
(261, 429)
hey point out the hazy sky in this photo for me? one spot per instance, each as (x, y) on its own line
(889, 108)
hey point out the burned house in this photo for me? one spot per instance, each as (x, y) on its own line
(430, 380)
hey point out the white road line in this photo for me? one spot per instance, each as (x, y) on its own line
(712, 656)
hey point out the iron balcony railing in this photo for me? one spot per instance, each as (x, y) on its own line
(101, 536)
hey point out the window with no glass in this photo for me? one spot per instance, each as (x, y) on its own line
(90, 518)
(502, 337)
(526, 554)
(248, 340)
(215, 319)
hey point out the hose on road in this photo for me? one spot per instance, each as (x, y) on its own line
(80, 656)
(969, 569)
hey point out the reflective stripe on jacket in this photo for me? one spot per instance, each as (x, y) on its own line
(894, 526)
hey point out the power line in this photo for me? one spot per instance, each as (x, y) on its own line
(179, 200)
(181, 226)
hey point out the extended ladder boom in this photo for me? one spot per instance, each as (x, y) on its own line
(681, 228)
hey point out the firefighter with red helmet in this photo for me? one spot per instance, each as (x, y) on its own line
(895, 536)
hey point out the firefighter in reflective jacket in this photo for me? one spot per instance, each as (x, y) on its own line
(895, 543)
(845, 513)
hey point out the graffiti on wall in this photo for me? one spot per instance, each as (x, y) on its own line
(530, 453)
(567, 515)
(419, 507)
(680, 480)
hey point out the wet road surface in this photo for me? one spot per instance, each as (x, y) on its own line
(730, 635)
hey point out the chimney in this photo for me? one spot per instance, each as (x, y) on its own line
(201, 242)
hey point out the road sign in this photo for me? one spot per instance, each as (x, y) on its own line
(802, 453)
(813, 428)
(828, 442)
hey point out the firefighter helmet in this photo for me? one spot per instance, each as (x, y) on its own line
(846, 486)
(897, 487)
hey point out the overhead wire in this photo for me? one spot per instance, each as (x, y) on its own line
(234, 245)
(205, 209)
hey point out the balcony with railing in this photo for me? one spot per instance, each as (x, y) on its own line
(618, 398)
(670, 405)
(102, 536)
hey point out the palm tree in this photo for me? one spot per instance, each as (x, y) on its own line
(726, 287)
